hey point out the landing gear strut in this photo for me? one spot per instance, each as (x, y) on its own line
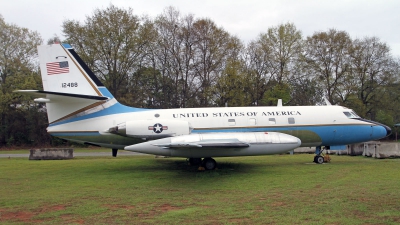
(319, 157)
(114, 152)
(205, 164)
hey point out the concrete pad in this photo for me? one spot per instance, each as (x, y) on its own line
(51, 153)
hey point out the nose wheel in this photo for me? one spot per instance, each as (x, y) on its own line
(320, 157)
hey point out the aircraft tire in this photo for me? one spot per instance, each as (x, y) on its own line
(319, 159)
(209, 163)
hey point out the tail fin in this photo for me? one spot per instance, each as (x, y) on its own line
(70, 87)
(64, 71)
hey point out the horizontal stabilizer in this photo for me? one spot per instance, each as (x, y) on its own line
(50, 96)
(64, 105)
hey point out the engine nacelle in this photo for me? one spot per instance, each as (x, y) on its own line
(152, 129)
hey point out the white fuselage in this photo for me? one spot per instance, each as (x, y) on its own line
(314, 125)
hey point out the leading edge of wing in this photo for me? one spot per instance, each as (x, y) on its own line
(49, 96)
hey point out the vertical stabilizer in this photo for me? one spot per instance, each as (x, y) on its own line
(64, 73)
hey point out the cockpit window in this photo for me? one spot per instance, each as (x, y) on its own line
(351, 114)
(355, 115)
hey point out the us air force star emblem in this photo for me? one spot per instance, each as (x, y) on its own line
(157, 128)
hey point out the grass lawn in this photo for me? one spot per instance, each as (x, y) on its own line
(279, 189)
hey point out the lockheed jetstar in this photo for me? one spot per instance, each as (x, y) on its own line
(81, 109)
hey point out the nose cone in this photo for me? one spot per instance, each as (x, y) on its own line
(388, 130)
(381, 131)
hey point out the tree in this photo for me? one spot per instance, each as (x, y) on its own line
(232, 86)
(372, 69)
(272, 57)
(112, 43)
(172, 55)
(55, 39)
(282, 46)
(191, 53)
(18, 70)
(327, 59)
(212, 45)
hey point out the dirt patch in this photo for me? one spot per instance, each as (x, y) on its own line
(51, 208)
(21, 216)
(26, 216)
(166, 208)
(117, 206)
(275, 204)
(155, 210)
(68, 218)
(240, 221)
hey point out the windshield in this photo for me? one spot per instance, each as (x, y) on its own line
(351, 114)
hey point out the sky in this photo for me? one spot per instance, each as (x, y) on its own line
(245, 19)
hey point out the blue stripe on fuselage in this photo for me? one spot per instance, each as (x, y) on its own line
(330, 135)
(115, 109)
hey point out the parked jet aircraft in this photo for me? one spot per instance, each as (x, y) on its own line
(81, 109)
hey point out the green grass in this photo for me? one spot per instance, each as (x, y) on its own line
(280, 189)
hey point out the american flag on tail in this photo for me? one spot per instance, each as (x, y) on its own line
(57, 67)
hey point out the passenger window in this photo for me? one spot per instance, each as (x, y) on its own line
(291, 120)
(231, 122)
(272, 121)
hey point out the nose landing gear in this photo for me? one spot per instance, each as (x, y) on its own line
(320, 157)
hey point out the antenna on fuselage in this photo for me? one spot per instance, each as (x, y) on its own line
(279, 103)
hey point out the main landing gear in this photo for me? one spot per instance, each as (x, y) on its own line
(319, 157)
(205, 164)
(114, 152)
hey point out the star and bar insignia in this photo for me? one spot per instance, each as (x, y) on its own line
(158, 128)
